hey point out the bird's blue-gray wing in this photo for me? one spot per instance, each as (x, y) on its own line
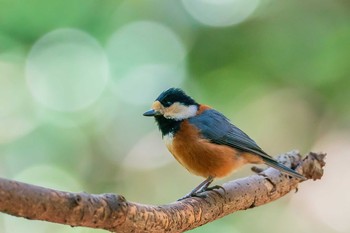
(215, 127)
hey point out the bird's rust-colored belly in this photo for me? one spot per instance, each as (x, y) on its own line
(201, 157)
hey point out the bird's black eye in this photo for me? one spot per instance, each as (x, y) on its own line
(167, 104)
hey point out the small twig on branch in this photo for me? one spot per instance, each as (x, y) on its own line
(112, 212)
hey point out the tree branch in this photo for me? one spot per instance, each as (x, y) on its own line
(112, 212)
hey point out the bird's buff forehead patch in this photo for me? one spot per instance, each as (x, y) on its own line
(158, 106)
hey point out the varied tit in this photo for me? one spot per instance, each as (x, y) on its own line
(204, 141)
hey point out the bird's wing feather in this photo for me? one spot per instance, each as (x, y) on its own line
(215, 127)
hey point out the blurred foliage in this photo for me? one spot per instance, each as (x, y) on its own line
(280, 73)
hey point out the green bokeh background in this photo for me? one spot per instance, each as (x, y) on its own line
(282, 75)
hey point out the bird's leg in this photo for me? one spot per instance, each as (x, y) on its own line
(205, 186)
(200, 188)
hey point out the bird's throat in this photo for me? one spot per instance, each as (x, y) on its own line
(167, 126)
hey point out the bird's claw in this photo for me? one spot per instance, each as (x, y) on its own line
(202, 192)
(197, 194)
(212, 188)
(215, 189)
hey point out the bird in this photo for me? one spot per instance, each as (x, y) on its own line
(204, 141)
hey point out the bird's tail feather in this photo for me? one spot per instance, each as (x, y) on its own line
(273, 163)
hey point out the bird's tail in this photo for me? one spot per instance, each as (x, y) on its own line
(282, 168)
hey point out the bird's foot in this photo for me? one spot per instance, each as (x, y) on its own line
(215, 189)
(212, 188)
(201, 193)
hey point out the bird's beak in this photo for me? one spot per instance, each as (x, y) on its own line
(152, 112)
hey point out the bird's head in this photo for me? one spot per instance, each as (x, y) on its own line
(173, 104)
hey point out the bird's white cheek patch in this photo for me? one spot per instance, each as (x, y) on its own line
(178, 111)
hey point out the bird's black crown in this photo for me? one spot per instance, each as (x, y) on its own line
(172, 95)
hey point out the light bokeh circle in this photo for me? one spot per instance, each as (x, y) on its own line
(66, 70)
(220, 13)
(141, 85)
(17, 112)
(143, 42)
(146, 57)
(151, 151)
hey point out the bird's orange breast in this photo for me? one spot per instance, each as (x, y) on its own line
(200, 156)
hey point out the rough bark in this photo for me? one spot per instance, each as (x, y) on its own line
(112, 212)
